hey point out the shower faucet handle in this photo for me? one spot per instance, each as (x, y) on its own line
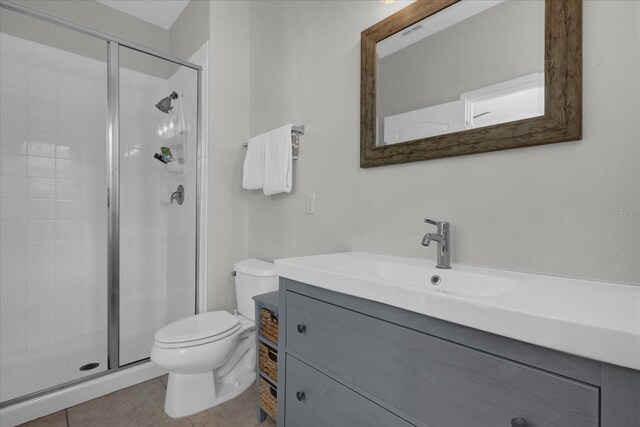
(178, 195)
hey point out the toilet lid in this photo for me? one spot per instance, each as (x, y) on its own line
(198, 327)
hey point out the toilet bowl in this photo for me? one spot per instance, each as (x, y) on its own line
(211, 357)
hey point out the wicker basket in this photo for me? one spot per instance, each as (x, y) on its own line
(269, 325)
(269, 361)
(268, 398)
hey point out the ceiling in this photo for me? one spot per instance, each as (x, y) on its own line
(162, 13)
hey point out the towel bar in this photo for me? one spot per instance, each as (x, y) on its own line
(296, 131)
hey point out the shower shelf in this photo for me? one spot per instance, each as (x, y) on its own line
(178, 152)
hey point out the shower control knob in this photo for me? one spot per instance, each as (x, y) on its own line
(519, 422)
(301, 328)
(300, 396)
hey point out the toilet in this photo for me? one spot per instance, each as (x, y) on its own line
(211, 357)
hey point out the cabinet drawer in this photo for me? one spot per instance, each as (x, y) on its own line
(435, 381)
(328, 403)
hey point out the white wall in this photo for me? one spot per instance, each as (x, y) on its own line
(544, 209)
(228, 129)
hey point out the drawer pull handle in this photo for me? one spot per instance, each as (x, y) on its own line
(300, 396)
(519, 422)
(301, 329)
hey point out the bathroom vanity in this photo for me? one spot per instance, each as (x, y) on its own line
(348, 360)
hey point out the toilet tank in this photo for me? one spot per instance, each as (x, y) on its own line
(253, 277)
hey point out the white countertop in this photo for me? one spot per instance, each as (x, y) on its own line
(596, 320)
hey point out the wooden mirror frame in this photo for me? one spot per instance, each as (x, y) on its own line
(562, 120)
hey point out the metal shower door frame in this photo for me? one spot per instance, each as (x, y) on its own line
(113, 179)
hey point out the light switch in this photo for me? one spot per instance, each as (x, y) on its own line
(311, 203)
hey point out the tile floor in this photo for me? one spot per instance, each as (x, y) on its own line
(142, 405)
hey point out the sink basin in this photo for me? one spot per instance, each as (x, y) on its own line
(412, 273)
(592, 319)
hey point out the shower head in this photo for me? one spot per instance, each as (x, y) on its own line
(165, 103)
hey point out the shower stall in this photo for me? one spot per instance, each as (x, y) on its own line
(99, 199)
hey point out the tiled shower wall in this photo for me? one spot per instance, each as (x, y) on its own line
(54, 216)
(53, 195)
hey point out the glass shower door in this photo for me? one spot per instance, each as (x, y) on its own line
(158, 134)
(53, 211)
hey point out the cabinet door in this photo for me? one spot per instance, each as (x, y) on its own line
(314, 399)
(432, 380)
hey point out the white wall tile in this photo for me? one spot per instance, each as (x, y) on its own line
(13, 252)
(13, 208)
(13, 230)
(41, 145)
(68, 250)
(69, 86)
(68, 189)
(68, 290)
(41, 209)
(67, 270)
(42, 124)
(41, 272)
(13, 74)
(13, 142)
(13, 119)
(68, 210)
(41, 188)
(69, 309)
(94, 229)
(41, 167)
(94, 171)
(68, 230)
(94, 248)
(13, 295)
(13, 275)
(69, 149)
(40, 293)
(93, 322)
(13, 186)
(69, 128)
(41, 251)
(41, 56)
(94, 152)
(94, 272)
(41, 335)
(41, 314)
(13, 164)
(69, 329)
(41, 103)
(68, 169)
(13, 329)
(94, 208)
(93, 131)
(41, 230)
(68, 108)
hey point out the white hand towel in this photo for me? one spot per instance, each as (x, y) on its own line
(253, 168)
(278, 161)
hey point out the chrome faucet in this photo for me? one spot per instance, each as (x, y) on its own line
(442, 237)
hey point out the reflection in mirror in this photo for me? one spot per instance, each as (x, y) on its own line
(476, 63)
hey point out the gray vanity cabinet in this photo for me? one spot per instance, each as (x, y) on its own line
(353, 362)
(321, 401)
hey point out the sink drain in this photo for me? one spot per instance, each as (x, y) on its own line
(89, 366)
(435, 280)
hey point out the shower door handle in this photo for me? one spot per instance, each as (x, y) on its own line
(178, 195)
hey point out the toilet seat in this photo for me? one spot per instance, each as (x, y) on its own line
(197, 330)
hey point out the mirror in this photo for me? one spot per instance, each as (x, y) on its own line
(451, 77)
